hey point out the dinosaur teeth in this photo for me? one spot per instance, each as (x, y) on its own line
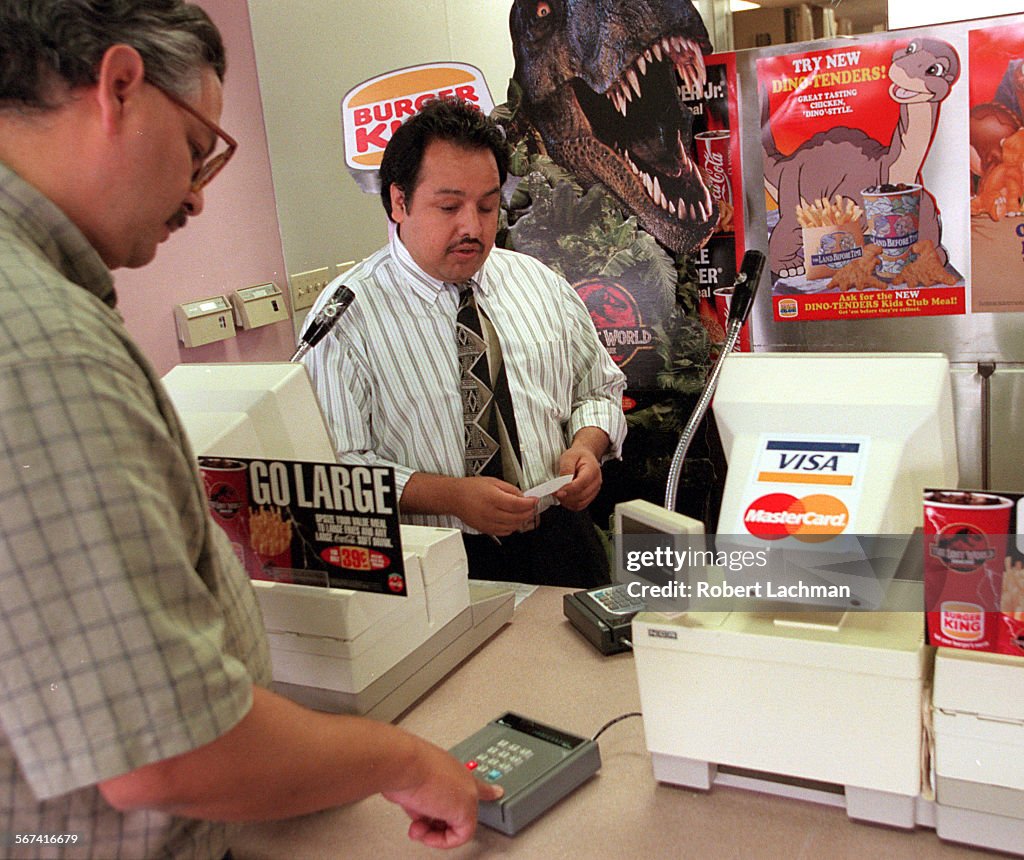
(656, 50)
(681, 208)
(634, 82)
(641, 64)
(618, 99)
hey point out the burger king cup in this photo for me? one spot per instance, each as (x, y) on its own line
(227, 494)
(965, 543)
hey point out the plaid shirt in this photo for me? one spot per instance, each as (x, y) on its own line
(128, 631)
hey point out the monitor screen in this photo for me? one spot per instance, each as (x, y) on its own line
(250, 410)
(656, 547)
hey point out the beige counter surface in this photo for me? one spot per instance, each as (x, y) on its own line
(540, 667)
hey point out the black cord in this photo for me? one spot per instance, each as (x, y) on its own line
(618, 719)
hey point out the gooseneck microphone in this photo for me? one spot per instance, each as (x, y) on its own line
(324, 320)
(744, 288)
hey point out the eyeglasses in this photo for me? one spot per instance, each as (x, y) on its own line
(213, 164)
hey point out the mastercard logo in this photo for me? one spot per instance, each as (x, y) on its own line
(811, 519)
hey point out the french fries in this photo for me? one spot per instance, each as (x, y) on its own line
(826, 213)
(1013, 589)
(269, 534)
(726, 212)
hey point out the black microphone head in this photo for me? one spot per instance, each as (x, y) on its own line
(747, 280)
(328, 315)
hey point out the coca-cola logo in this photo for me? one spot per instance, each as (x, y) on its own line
(713, 149)
(714, 164)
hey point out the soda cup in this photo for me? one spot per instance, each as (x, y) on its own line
(715, 161)
(227, 495)
(892, 213)
(965, 541)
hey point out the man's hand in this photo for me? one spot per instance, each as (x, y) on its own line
(489, 505)
(443, 806)
(582, 460)
(493, 506)
(581, 463)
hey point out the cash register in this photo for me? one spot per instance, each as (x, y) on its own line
(813, 700)
(337, 649)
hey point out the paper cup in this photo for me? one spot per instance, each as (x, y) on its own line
(715, 160)
(227, 495)
(965, 540)
(893, 220)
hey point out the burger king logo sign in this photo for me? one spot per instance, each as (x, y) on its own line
(372, 110)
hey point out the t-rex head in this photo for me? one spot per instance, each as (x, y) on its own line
(603, 83)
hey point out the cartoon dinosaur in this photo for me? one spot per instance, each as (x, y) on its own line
(602, 83)
(844, 161)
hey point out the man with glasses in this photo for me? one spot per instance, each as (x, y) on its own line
(134, 705)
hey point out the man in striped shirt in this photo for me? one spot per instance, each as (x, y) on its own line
(388, 375)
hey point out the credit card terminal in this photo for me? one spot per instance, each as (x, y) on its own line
(537, 765)
(604, 615)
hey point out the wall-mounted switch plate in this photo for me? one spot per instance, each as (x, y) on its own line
(307, 286)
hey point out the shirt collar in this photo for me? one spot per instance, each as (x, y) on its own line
(426, 286)
(30, 215)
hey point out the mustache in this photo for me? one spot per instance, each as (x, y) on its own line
(466, 243)
(178, 220)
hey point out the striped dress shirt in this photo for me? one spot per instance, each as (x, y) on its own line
(387, 375)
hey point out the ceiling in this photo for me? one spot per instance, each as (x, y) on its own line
(863, 13)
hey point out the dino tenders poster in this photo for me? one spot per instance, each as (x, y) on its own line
(854, 212)
(997, 168)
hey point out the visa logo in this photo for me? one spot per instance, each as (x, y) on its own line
(790, 461)
(809, 462)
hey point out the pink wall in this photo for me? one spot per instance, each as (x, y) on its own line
(235, 243)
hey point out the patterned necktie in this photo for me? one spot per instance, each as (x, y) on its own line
(492, 441)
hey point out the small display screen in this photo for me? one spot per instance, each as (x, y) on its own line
(538, 730)
(259, 292)
(638, 529)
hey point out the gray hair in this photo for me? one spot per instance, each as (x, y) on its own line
(47, 43)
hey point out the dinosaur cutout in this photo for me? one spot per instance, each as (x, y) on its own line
(603, 83)
(843, 161)
(997, 148)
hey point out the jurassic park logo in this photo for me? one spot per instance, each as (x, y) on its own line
(617, 318)
(962, 547)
